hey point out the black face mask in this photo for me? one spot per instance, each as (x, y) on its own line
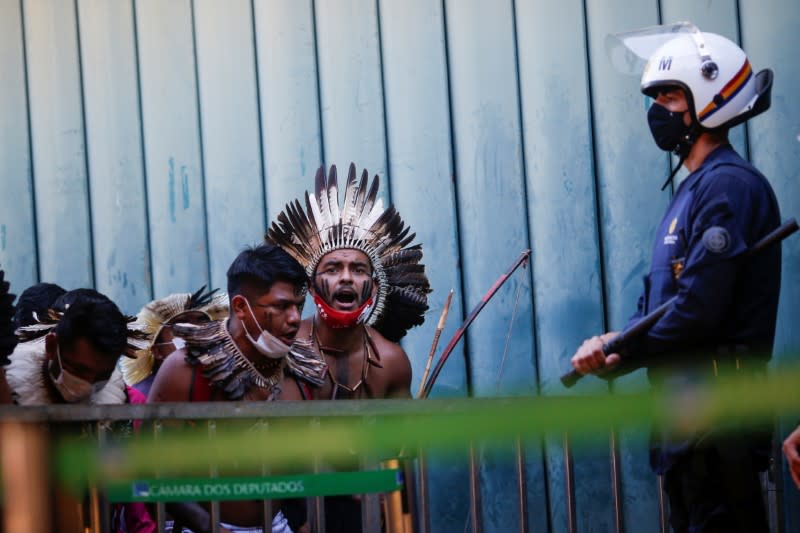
(668, 128)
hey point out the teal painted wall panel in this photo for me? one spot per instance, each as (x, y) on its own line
(17, 235)
(289, 99)
(630, 169)
(770, 38)
(172, 146)
(116, 169)
(230, 131)
(490, 185)
(59, 152)
(351, 87)
(418, 133)
(563, 226)
(775, 140)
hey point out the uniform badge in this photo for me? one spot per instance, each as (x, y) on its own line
(677, 267)
(670, 239)
(716, 239)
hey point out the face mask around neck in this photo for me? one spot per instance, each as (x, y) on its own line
(342, 319)
(267, 344)
(72, 388)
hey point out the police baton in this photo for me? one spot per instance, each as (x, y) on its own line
(648, 321)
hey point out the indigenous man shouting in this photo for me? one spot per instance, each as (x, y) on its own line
(369, 289)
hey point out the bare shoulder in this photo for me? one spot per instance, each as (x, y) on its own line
(173, 381)
(388, 351)
(396, 365)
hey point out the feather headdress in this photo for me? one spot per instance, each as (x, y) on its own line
(168, 310)
(363, 224)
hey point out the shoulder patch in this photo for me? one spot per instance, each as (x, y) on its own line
(717, 240)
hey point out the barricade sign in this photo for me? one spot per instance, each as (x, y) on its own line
(255, 488)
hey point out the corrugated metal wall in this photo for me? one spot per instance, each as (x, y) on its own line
(142, 144)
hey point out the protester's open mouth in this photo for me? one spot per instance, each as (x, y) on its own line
(345, 299)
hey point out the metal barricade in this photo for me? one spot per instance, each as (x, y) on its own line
(24, 441)
(26, 434)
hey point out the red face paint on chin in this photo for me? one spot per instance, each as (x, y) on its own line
(341, 319)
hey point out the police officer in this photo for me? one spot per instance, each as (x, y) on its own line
(725, 312)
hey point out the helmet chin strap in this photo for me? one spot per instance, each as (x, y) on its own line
(674, 171)
(682, 151)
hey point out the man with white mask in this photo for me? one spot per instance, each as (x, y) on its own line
(155, 321)
(242, 357)
(70, 356)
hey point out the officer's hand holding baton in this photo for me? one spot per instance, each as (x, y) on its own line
(602, 352)
(591, 357)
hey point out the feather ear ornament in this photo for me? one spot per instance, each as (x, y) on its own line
(360, 223)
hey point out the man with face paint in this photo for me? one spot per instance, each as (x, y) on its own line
(71, 356)
(361, 362)
(241, 357)
(723, 318)
(369, 288)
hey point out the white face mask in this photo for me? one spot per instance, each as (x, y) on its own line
(267, 344)
(179, 343)
(72, 388)
(176, 344)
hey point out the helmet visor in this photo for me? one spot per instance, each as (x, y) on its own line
(630, 51)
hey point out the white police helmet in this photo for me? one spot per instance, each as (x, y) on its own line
(715, 73)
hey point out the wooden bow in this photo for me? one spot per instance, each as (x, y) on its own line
(521, 260)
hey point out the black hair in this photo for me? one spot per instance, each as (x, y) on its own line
(64, 301)
(262, 266)
(35, 299)
(92, 316)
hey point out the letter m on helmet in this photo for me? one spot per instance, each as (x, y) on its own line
(665, 63)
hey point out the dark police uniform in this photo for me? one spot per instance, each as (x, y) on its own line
(724, 317)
